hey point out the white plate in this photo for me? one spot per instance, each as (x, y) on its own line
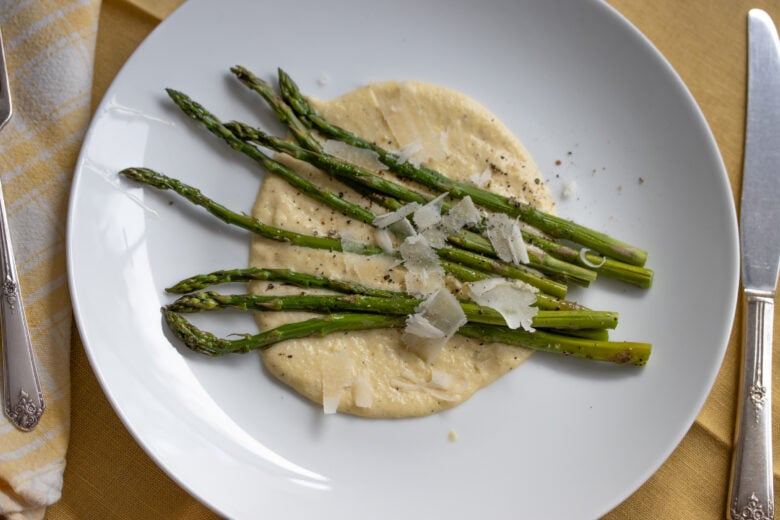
(557, 438)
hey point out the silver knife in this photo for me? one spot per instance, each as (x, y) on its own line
(751, 493)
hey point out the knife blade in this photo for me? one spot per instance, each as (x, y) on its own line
(751, 493)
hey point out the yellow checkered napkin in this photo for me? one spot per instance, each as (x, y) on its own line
(50, 51)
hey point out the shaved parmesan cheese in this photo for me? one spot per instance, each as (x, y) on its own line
(330, 403)
(514, 302)
(476, 289)
(435, 227)
(348, 245)
(363, 392)
(430, 214)
(418, 325)
(337, 374)
(436, 320)
(480, 286)
(424, 274)
(440, 385)
(462, 213)
(444, 138)
(383, 221)
(409, 151)
(441, 379)
(324, 79)
(481, 179)
(403, 228)
(435, 236)
(384, 240)
(587, 262)
(362, 157)
(417, 253)
(420, 282)
(505, 237)
(569, 187)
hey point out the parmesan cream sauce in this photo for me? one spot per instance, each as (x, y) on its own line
(372, 373)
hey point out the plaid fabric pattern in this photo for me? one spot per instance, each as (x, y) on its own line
(50, 52)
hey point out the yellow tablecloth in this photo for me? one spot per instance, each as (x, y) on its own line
(109, 476)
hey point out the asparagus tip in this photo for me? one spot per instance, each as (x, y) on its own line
(182, 100)
(146, 176)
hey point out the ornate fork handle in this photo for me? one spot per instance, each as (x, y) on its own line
(22, 390)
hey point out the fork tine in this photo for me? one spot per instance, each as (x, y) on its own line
(6, 107)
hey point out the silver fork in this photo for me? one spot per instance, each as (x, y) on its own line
(21, 386)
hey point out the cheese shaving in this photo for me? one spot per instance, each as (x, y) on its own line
(384, 220)
(444, 144)
(513, 301)
(324, 79)
(408, 153)
(587, 262)
(430, 214)
(436, 237)
(441, 379)
(403, 228)
(481, 179)
(436, 320)
(420, 282)
(435, 386)
(424, 274)
(506, 239)
(384, 240)
(337, 374)
(417, 253)
(362, 157)
(349, 245)
(363, 392)
(462, 213)
(419, 326)
(569, 188)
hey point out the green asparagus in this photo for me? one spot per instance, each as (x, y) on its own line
(206, 343)
(399, 304)
(562, 326)
(551, 224)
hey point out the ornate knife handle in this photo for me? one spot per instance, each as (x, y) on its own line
(751, 493)
(22, 390)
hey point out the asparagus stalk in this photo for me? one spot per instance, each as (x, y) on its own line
(163, 182)
(287, 276)
(207, 343)
(399, 304)
(634, 353)
(351, 173)
(213, 124)
(313, 154)
(609, 267)
(534, 238)
(551, 224)
(329, 163)
(538, 259)
(194, 195)
(282, 110)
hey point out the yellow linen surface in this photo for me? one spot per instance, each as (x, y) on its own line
(49, 48)
(109, 476)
